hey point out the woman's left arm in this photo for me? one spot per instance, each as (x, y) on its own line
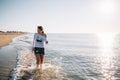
(46, 39)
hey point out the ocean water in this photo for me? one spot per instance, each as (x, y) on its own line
(70, 57)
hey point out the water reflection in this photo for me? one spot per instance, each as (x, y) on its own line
(106, 56)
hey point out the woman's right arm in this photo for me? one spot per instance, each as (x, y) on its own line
(33, 45)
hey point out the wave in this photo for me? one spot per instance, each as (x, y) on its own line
(25, 67)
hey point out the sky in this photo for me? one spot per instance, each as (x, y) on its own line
(60, 16)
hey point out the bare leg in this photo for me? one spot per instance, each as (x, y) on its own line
(37, 60)
(41, 61)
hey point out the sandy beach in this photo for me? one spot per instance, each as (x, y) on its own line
(5, 38)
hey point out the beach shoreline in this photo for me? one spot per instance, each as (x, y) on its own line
(5, 38)
(8, 54)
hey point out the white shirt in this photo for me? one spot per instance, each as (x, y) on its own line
(41, 41)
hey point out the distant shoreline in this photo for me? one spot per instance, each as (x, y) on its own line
(6, 37)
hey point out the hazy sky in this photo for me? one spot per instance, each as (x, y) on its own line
(60, 16)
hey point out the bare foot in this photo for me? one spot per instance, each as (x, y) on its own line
(41, 65)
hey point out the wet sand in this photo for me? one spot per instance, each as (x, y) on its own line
(8, 56)
(5, 38)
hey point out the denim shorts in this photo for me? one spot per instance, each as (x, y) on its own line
(39, 51)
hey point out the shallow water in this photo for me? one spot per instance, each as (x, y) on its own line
(71, 57)
(7, 61)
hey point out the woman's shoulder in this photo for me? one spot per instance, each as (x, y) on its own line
(36, 34)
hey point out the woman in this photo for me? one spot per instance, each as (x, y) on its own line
(38, 46)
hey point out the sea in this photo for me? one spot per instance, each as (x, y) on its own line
(70, 56)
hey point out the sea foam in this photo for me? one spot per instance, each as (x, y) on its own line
(25, 67)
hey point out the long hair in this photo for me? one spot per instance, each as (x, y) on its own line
(41, 28)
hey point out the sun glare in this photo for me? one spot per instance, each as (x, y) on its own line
(106, 41)
(106, 44)
(107, 7)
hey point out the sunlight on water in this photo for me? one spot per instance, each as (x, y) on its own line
(106, 44)
(91, 57)
(106, 40)
(106, 54)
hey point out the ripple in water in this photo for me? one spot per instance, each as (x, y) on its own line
(72, 57)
